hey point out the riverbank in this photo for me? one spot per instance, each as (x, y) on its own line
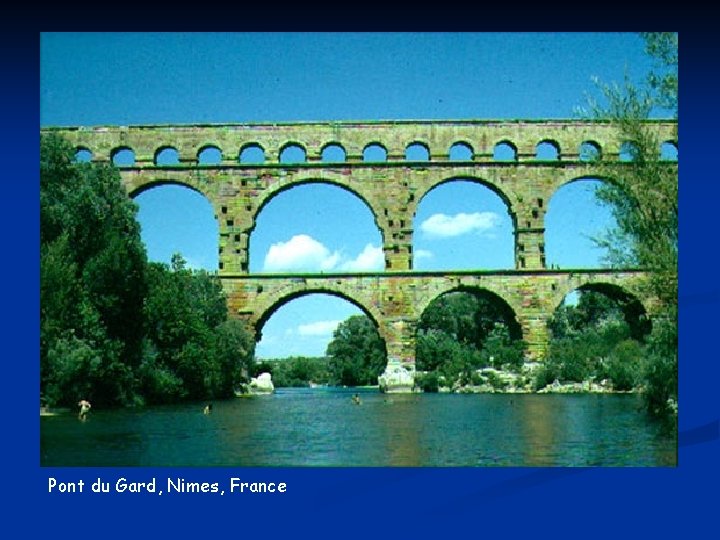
(53, 411)
(497, 381)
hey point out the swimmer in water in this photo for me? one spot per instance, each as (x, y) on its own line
(207, 409)
(84, 409)
(356, 399)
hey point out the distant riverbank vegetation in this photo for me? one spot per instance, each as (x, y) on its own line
(115, 329)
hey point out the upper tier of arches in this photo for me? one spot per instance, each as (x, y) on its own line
(431, 141)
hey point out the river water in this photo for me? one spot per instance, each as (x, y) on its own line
(323, 427)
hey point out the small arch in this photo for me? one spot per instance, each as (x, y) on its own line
(461, 151)
(252, 154)
(375, 152)
(417, 151)
(590, 151)
(333, 153)
(83, 155)
(166, 156)
(547, 150)
(505, 151)
(209, 155)
(292, 153)
(123, 156)
(628, 151)
(669, 151)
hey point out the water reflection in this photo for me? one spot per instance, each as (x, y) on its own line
(322, 427)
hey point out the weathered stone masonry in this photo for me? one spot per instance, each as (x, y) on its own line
(392, 189)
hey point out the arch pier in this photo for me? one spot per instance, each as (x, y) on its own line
(392, 182)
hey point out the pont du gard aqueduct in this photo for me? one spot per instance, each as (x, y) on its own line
(377, 167)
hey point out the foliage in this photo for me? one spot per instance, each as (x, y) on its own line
(644, 201)
(427, 382)
(299, 371)
(197, 353)
(92, 281)
(357, 353)
(114, 329)
(592, 341)
(461, 332)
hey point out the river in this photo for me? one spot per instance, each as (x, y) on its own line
(323, 427)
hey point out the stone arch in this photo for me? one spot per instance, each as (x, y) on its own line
(547, 150)
(590, 151)
(572, 217)
(251, 147)
(333, 152)
(267, 307)
(375, 146)
(434, 183)
(505, 146)
(562, 179)
(120, 153)
(628, 152)
(342, 183)
(417, 146)
(135, 190)
(511, 310)
(635, 308)
(205, 150)
(196, 238)
(166, 150)
(82, 154)
(669, 151)
(461, 147)
(292, 146)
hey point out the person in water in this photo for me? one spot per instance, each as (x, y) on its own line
(207, 409)
(84, 409)
(356, 399)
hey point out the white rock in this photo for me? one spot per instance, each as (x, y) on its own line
(396, 378)
(262, 384)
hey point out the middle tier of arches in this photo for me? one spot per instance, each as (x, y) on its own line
(392, 194)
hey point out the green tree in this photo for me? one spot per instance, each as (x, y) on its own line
(461, 332)
(92, 281)
(357, 352)
(193, 350)
(644, 201)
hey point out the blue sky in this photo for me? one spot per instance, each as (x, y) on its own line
(129, 78)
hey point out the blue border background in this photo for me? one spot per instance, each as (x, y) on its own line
(508, 502)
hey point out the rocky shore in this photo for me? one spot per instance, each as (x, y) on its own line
(491, 380)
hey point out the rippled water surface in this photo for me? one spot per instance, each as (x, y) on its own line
(322, 427)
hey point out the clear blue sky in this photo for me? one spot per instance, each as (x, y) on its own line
(121, 79)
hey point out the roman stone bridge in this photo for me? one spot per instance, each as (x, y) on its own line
(390, 166)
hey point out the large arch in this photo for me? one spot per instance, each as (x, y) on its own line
(573, 219)
(342, 188)
(509, 307)
(163, 208)
(636, 309)
(481, 211)
(273, 191)
(264, 310)
(435, 182)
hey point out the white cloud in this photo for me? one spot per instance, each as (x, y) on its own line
(303, 253)
(444, 226)
(371, 258)
(318, 328)
(423, 254)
